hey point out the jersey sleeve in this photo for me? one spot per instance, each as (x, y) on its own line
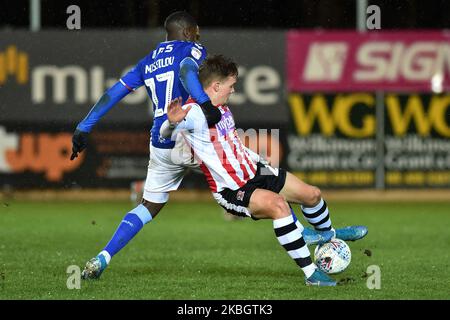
(194, 55)
(102, 106)
(133, 79)
(195, 51)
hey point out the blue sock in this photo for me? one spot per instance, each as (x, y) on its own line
(131, 224)
(293, 214)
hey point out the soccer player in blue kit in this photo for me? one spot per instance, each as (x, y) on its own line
(170, 70)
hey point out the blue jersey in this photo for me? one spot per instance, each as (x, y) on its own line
(159, 71)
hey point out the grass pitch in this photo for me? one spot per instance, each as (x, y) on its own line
(191, 252)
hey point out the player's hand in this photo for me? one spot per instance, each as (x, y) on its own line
(175, 113)
(211, 113)
(79, 143)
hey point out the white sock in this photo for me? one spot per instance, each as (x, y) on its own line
(289, 235)
(309, 270)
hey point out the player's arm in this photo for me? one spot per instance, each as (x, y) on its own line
(130, 82)
(108, 100)
(178, 119)
(189, 78)
(103, 105)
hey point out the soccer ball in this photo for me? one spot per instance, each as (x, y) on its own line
(333, 257)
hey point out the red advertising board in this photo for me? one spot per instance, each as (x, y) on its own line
(352, 61)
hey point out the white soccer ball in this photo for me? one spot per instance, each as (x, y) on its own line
(333, 257)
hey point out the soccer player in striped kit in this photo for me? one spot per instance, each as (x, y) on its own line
(241, 184)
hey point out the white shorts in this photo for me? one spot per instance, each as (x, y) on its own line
(166, 170)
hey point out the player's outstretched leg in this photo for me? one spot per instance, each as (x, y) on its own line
(315, 211)
(314, 208)
(317, 214)
(266, 204)
(290, 237)
(131, 224)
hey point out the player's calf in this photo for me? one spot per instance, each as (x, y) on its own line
(130, 225)
(289, 235)
(317, 215)
(288, 230)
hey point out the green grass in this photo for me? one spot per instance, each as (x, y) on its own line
(190, 252)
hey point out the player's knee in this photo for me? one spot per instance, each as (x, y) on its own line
(153, 208)
(314, 196)
(279, 207)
